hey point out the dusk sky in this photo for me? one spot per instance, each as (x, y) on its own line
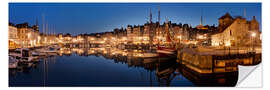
(78, 18)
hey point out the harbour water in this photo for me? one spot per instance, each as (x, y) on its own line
(112, 67)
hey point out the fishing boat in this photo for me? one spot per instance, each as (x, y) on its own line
(22, 54)
(42, 54)
(56, 47)
(13, 62)
(26, 56)
(35, 53)
(48, 50)
(168, 49)
(16, 53)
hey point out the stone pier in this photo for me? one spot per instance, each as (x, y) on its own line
(203, 61)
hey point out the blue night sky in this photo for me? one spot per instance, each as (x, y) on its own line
(78, 18)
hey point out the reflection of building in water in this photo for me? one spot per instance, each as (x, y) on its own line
(219, 64)
(134, 58)
(214, 79)
(166, 70)
(215, 61)
(23, 68)
(29, 67)
(65, 51)
(163, 72)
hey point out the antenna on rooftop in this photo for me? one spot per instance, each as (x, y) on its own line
(159, 13)
(201, 17)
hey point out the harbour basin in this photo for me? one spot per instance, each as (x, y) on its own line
(111, 67)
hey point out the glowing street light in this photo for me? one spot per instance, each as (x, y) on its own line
(179, 37)
(253, 34)
(228, 44)
(92, 38)
(124, 38)
(200, 37)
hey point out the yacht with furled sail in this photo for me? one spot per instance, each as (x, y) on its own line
(22, 54)
(167, 48)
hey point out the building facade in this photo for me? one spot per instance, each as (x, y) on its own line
(236, 32)
(27, 35)
(12, 36)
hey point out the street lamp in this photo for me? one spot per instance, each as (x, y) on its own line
(179, 38)
(28, 39)
(253, 35)
(200, 37)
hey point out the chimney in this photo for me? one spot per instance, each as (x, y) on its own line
(254, 18)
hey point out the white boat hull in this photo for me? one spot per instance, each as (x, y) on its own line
(13, 65)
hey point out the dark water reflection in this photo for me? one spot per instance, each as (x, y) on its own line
(112, 67)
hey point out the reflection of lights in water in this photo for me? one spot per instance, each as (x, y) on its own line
(222, 80)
